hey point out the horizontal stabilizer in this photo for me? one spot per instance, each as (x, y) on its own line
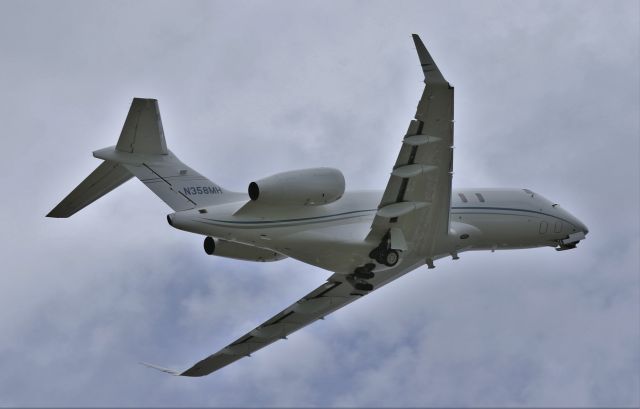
(108, 176)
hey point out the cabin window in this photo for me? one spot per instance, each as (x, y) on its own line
(480, 197)
(557, 227)
(463, 197)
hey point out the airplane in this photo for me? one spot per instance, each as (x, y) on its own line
(365, 238)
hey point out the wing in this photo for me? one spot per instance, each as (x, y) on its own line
(414, 210)
(329, 297)
(417, 194)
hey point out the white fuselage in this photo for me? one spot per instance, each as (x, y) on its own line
(332, 236)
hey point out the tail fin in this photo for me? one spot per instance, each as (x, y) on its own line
(142, 152)
(142, 131)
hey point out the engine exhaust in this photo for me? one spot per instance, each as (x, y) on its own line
(209, 245)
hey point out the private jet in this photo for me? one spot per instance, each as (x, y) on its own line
(365, 239)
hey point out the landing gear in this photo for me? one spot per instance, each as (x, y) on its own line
(571, 241)
(563, 247)
(391, 258)
(365, 272)
(375, 254)
(384, 254)
(359, 284)
(363, 286)
(358, 279)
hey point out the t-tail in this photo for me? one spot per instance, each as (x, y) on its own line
(142, 152)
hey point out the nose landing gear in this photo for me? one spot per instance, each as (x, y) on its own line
(568, 246)
(570, 241)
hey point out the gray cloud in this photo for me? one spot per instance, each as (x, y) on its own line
(547, 97)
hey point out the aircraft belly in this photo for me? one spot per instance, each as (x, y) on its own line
(504, 231)
(338, 247)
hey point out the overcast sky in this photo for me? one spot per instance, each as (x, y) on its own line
(547, 97)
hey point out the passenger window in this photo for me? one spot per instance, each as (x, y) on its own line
(463, 197)
(480, 197)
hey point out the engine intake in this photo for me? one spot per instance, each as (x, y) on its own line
(229, 249)
(304, 187)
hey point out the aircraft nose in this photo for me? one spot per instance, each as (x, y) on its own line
(580, 226)
(576, 223)
(585, 229)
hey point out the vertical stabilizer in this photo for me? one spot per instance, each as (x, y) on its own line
(142, 131)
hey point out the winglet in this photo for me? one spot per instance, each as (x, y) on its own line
(431, 72)
(161, 369)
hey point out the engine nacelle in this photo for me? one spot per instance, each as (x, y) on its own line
(305, 187)
(229, 249)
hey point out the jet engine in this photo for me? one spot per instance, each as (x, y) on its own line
(305, 187)
(229, 249)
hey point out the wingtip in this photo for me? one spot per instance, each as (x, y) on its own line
(140, 99)
(417, 40)
(429, 67)
(161, 369)
(420, 47)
